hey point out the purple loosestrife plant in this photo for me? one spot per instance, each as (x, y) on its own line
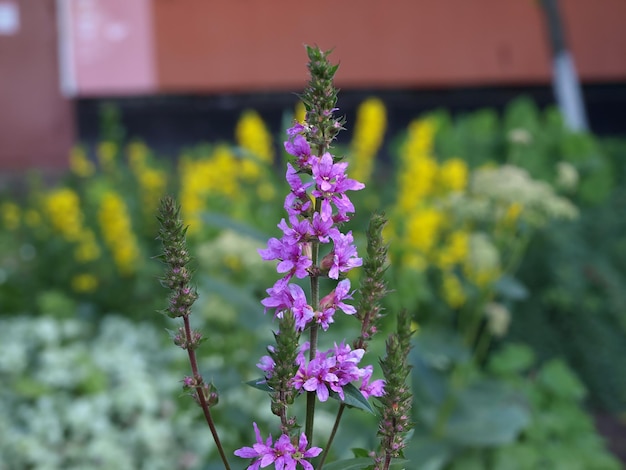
(182, 296)
(313, 245)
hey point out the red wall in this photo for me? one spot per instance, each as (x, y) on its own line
(36, 122)
(254, 45)
(257, 44)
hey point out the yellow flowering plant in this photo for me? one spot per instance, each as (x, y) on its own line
(458, 233)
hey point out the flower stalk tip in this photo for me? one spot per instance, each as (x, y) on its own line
(395, 404)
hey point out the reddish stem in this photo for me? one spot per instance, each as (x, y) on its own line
(200, 392)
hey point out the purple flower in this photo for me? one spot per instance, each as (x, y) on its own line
(299, 148)
(291, 258)
(266, 364)
(331, 183)
(326, 173)
(273, 251)
(284, 296)
(316, 376)
(263, 452)
(302, 311)
(279, 297)
(329, 370)
(283, 454)
(374, 389)
(297, 201)
(344, 255)
(320, 227)
(302, 453)
(325, 317)
(334, 300)
(298, 232)
(346, 366)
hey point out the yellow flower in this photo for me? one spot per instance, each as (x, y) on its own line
(88, 248)
(454, 251)
(107, 153)
(201, 178)
(416, 183)
(63, 209)
(418, 169)
(420, 137)
(224, 172)
(84, 283)
(137, 153)
(116, 228)
(80, 165)
(512, 213)
(253, 136)
(452, 290)
(414, 260)
(369, 132)
(453, 175)
(422, 230)
(10, 213)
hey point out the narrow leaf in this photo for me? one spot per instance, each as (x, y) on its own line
(353, 397)
(260, 384)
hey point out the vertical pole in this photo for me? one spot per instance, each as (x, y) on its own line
(564, 78)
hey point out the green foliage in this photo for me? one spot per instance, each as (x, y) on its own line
(482, 401)
(458, 407)
(556, 396)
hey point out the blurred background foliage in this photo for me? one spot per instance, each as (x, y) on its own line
(506, 244)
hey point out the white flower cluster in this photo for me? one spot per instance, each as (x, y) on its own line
(72, 398)
(511, 184)
(494, 190)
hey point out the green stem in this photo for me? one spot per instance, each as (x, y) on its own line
(332, 435)
(482, 346)
(315, 300)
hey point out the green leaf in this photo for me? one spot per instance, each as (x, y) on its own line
(259, 385)
(360, 453)
(510, 288)
(430, 452)
(559, 379)
(512, 359)
(353, 397)
(441, 349)
(518, 456)
(486, 414)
